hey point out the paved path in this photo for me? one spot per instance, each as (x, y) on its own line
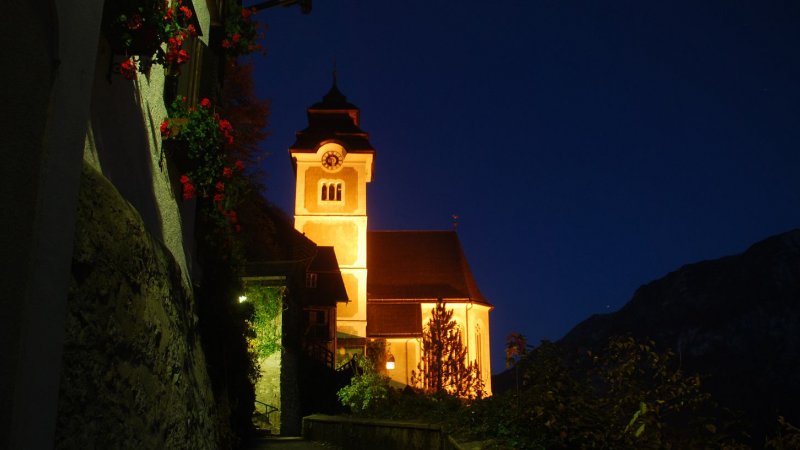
(288, 443)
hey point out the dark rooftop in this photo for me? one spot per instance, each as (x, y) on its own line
(418, 265)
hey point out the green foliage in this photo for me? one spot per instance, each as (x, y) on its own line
(267, 306)
(443, 368)
(788, 437)
(366, 390)
(629, 396)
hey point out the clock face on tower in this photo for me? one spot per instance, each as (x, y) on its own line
(332, 160)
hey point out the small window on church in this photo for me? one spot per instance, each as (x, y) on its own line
(331, 191)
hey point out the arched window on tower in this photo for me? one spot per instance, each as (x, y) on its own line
(331, 191)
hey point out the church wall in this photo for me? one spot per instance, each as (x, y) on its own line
(471, 319)
(346, 234)
(406, 356)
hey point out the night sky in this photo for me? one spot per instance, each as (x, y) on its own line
(587, 147)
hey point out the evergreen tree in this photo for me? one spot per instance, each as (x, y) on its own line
(443, 368)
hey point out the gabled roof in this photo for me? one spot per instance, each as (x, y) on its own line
(418, 265)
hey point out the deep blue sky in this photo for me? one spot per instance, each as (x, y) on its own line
(588, 147)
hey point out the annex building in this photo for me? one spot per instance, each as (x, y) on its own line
(392, 278)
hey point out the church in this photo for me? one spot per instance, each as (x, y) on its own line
(392, 278)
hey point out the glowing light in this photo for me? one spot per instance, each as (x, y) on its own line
(242, 298)
(390, 362)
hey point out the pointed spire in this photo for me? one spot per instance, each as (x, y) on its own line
(334, 71)
(334, 96)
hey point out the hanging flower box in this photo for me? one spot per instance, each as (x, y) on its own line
(136, 29)
(130, 28)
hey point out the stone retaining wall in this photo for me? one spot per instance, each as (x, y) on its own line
(358, 434)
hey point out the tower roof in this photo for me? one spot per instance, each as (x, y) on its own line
(334, 118)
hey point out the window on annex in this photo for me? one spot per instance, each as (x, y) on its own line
(331, 190)
(311, 280)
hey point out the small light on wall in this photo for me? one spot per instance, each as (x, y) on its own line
(242, 298)
(390, 362)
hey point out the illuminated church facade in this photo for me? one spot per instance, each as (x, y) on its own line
(392, 278)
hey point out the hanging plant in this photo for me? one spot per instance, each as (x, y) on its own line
(137, 30)
(241, 32)
(196, 139)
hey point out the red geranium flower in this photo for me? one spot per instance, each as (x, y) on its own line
(239, 165)
(246, 13)
(227, 172)
(226, 43)
(136, 22)
(218, 197)
(224, 125)
(128, 69)
(184, 179)
(220, 186)
(205, 103)
(183, 56)
(165, 128)
(236, 37)
(192, 30)
(188, 191)
(186, 11)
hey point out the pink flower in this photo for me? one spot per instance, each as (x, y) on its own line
(205, 103)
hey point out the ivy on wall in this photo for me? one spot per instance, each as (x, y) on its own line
(267, 302)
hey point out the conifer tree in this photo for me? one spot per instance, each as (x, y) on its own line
(443, 368)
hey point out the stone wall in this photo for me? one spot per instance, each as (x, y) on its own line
(357, 434)
(134, 375)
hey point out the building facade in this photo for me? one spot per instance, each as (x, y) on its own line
(393, 279)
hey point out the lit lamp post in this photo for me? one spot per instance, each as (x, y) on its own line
(390, 362)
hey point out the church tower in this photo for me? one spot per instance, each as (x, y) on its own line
(333, 162)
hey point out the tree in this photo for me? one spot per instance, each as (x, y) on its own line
(444, 368)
